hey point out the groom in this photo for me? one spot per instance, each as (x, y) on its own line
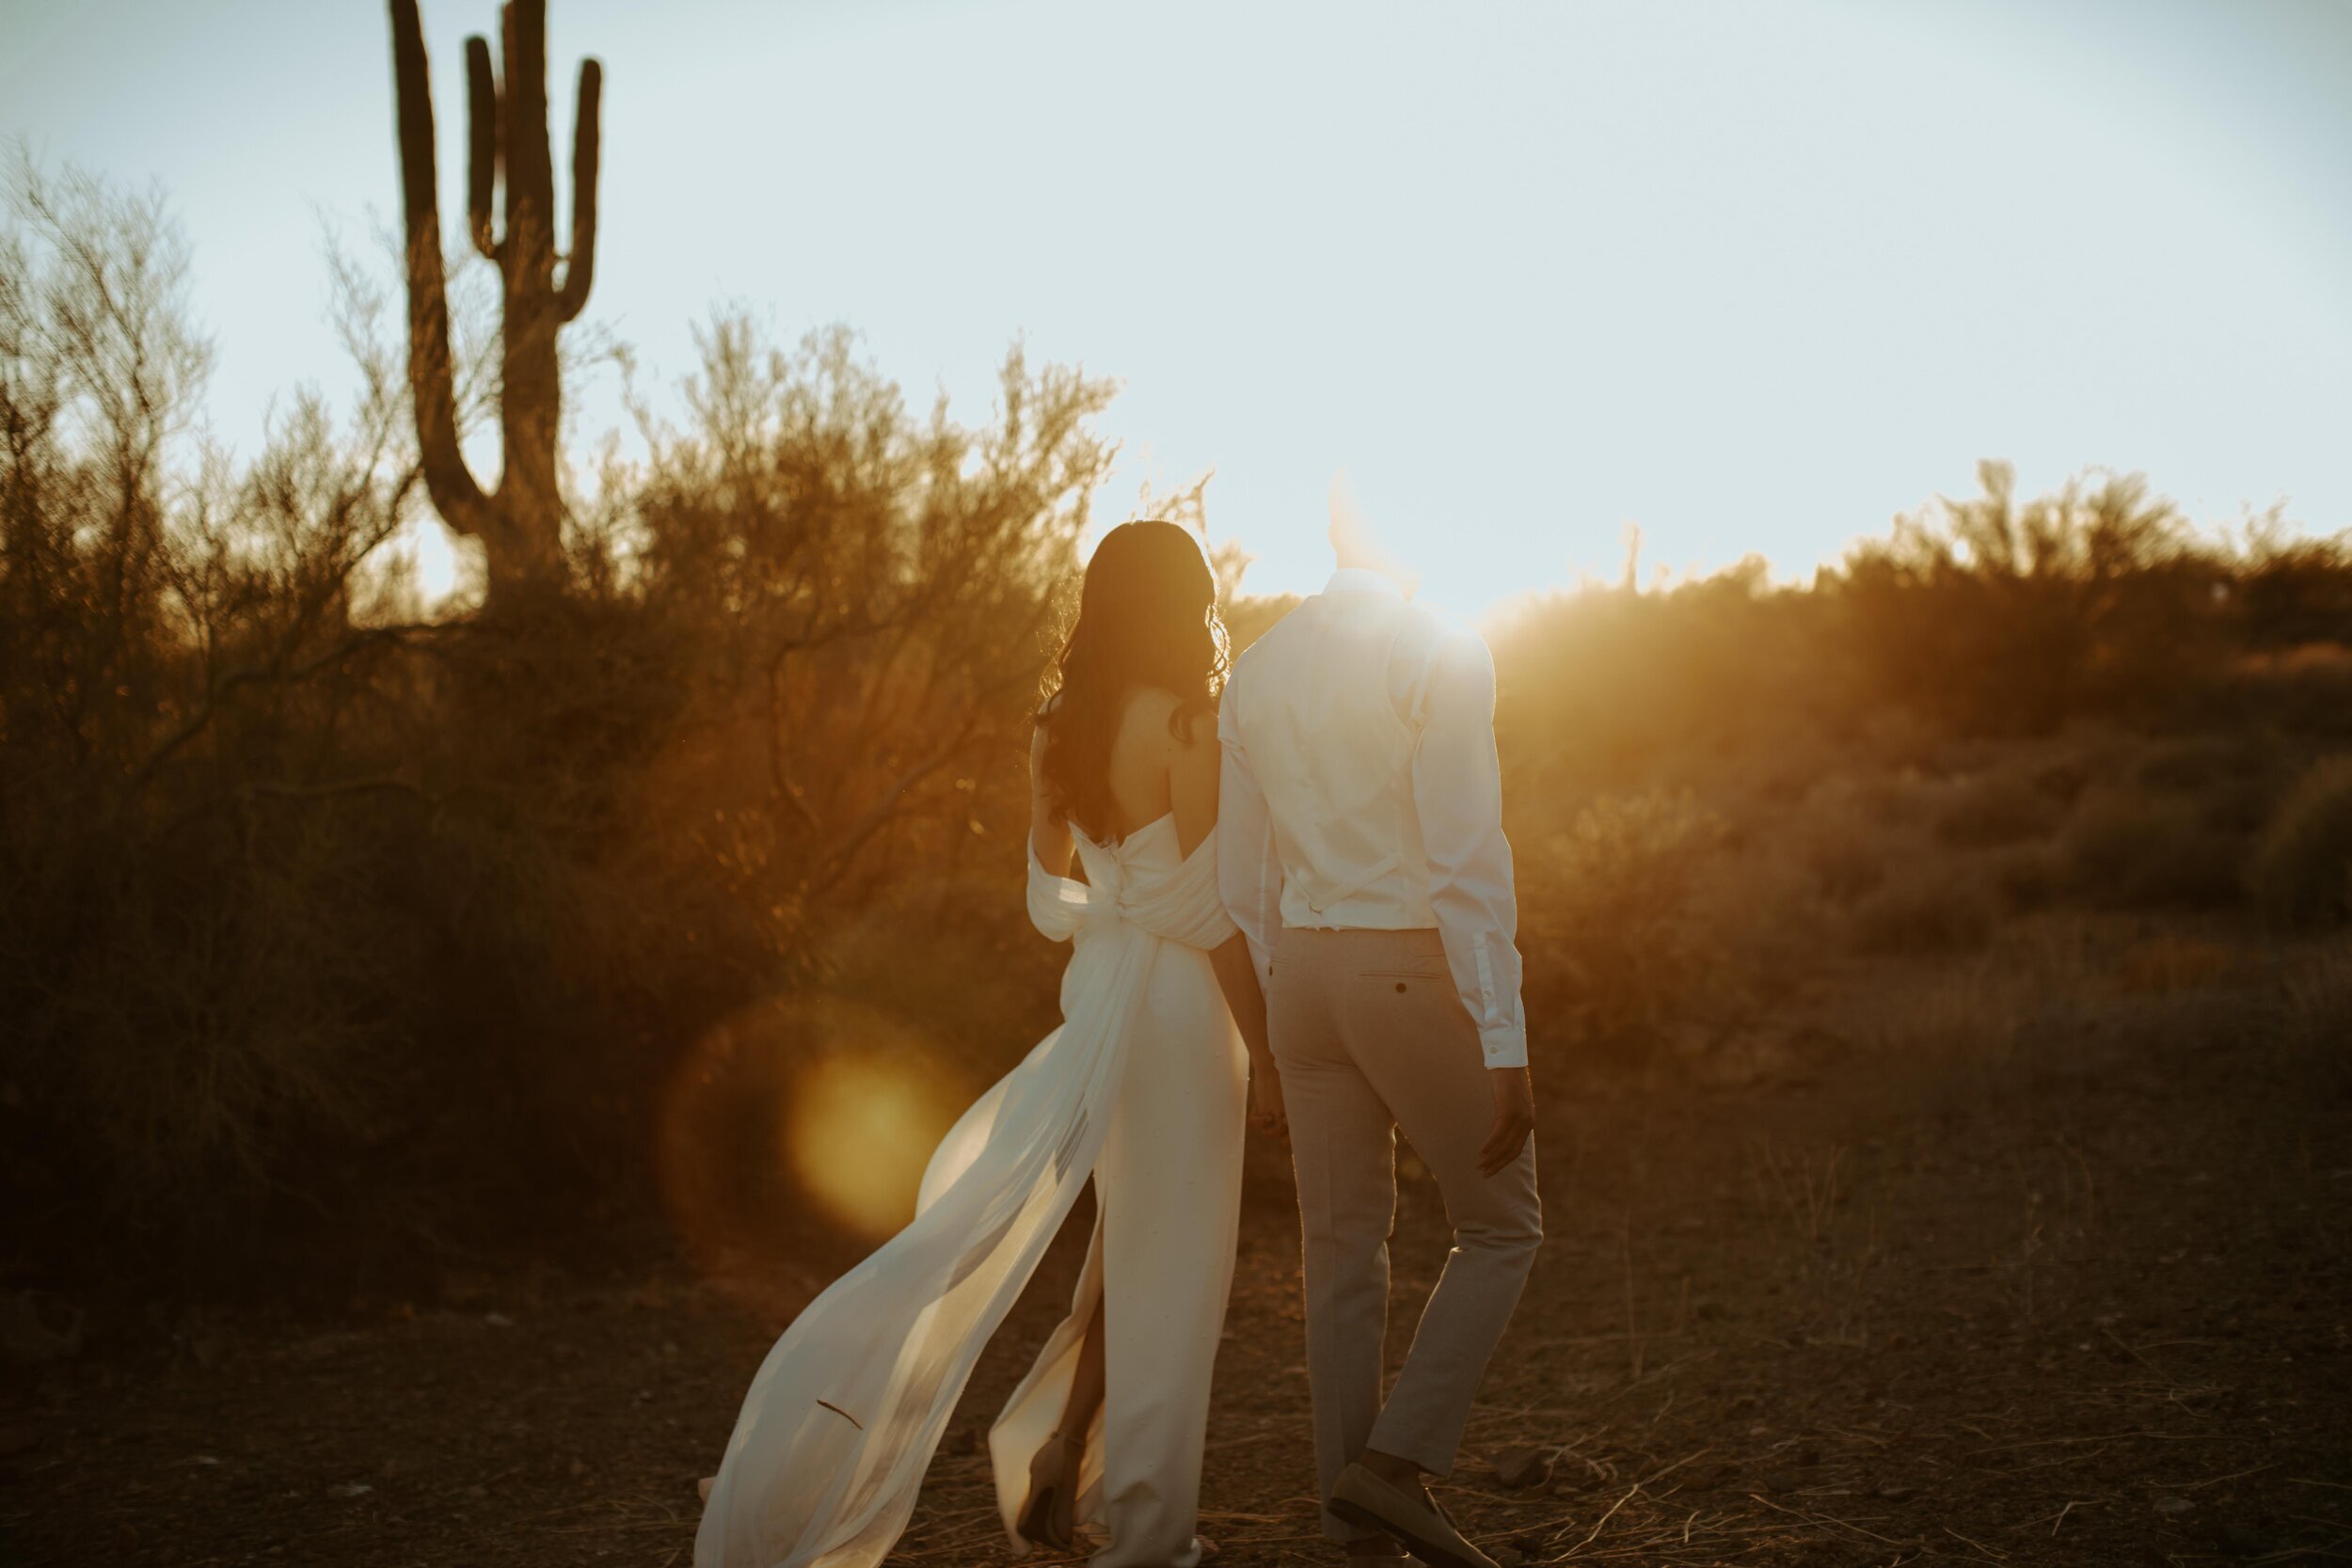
(1360, 850)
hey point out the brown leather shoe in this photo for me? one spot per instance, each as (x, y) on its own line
(1416, 1523)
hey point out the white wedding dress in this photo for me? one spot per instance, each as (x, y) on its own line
(1143, 1087)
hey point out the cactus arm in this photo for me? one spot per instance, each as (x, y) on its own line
(481, 126)
(580, 265)
(455, 494)
(523, 149)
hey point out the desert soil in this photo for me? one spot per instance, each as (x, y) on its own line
(2086, 1304)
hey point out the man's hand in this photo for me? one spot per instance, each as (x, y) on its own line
(1515, 1118)
(1265, 1098)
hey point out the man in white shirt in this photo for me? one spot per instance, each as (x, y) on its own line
(1360, 850)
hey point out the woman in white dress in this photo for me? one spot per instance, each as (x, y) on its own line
(1163, 1037)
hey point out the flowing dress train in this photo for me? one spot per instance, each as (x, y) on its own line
(1142, 1087)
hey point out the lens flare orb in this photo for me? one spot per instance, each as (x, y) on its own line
(858, 1131)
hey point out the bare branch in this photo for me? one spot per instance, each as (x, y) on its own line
(886, 806)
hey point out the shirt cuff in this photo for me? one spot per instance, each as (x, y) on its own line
(1504, 1046)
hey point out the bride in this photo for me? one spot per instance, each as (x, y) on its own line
(1142, 1087)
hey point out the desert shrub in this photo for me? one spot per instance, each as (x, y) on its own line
(195, 985)
(2301, 868)
(1758, 918)
(2027, 877)
(2063, 779)
(1995, 614)
(1845, 867)
(2235, 777)
(2126, 849)
(1897, 799)
(2238, 807)
(1924, 914)
(1903, 742)
(2192, 765)
(1609, 923)
(327, 932)
(1994, 809)
(1614, 689)
(1883, 799)
(2299, 690)
(2292, 592)
(2085, 752)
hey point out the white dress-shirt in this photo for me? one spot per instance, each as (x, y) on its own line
(1360, 790)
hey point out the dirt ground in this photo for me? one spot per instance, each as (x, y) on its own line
(2083, 1304)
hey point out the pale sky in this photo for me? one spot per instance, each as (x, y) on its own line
(1755, 276)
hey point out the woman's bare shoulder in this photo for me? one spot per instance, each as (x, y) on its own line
(1179, 723)
(1146, 711)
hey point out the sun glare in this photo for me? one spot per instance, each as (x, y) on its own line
(433, 560)
(424, 565)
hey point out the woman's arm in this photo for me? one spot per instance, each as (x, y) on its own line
(1238, 978)
(1194, 764)
(1049, 833)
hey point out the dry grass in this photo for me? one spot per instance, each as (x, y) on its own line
(1845, 868)
(2319, 1000)
(2174, 961)
(1924, 912)
(1611, 906)
(1996, 808)
(2127, 849)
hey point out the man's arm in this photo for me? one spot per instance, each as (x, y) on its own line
(1249, 877)
(1457, 788)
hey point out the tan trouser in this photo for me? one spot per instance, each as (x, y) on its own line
(1370, 1036)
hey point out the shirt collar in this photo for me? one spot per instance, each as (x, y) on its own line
(1363, 580)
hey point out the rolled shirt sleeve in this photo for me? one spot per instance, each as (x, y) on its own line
(1457, 790)
(1249, 876)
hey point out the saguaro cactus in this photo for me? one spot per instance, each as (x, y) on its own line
(521, 523)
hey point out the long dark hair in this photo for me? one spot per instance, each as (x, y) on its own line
(1147, 619)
